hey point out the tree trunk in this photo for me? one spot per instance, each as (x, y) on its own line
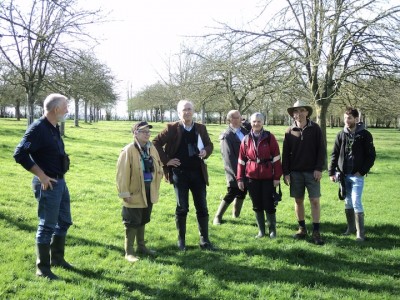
(161, 115)
(86, 111)
(31, 108)
(203, 113)
(322, 111)
(18, 109)
(62, 128)
(76, 119)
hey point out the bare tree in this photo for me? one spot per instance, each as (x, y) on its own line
(331, 42)
(379, 99)
(11, 92)
(84, 78)
(40, 33)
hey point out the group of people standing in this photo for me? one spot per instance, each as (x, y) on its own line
(259, 168)
(252, 163)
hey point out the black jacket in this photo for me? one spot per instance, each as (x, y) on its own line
(363, 151)
(303, 149)
(230, 144)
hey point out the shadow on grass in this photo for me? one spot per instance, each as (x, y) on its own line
(15, 222)
(379, 237)
(303, 267)
(130, 285)
(72, 240)
(303, 264)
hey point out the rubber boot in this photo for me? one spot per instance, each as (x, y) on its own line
(181, 227)
(260, 218)
(205, 243)
(57, 250)
(237, 207)
(351, 221)
(271, 221)
(220, 212)
(360, 227)
(141, 244)
(130, 234)
(43, 262)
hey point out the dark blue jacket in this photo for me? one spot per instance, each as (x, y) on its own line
(41, 145)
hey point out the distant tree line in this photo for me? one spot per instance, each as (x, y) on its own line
(330, 53)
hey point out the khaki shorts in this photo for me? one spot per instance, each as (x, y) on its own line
(299, 181)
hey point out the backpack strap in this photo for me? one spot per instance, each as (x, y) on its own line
(246, 142)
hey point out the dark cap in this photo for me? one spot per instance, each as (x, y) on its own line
(140, 125)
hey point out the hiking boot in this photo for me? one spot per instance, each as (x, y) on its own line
(317, 238)
(300, 234)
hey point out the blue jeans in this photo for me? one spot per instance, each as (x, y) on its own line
(185, 180)
(354, 189)
(54, 210)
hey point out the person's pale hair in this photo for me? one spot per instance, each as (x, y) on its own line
(53, 101)
(258, 115)
(182, 103)
(230, 113)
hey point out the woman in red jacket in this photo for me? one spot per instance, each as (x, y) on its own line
(259, 166)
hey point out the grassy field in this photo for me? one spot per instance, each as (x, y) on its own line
(243, 268)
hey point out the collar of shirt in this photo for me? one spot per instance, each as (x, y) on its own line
(238, 133)
(295, 125)
(187, 128)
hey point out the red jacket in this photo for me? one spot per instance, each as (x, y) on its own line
(259, 162)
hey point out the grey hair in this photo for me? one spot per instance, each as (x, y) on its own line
(52, 101)
(230, 113)
(182, 103)
(257, 115)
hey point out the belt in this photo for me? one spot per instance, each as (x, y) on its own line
(56, 176)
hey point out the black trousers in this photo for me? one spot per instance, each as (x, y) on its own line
(193, 181)
(234, 192)
(260, 192)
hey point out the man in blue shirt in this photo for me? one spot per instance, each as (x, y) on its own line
(41, 152)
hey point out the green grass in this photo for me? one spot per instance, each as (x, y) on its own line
(243, 268)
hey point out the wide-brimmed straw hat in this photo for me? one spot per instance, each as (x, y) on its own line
(300, 103)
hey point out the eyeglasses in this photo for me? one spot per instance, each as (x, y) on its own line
(145, 131)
